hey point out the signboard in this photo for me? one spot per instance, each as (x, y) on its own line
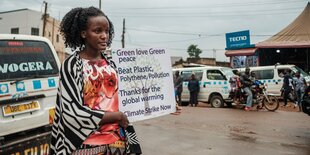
(145, 82)
(237, 40)
(243, 61)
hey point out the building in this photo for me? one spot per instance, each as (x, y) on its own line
(30, 22)
(291, 45)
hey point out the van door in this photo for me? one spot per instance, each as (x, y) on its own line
(216, 82)
(186, 76)
(268, 77)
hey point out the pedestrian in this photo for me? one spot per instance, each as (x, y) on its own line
(193, 87)
(178, 87)
(299, 87)
(286, 87)
(246, 84)
(87, 119)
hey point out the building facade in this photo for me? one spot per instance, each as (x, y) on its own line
(30, 22)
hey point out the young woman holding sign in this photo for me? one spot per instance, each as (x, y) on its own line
(87, 119)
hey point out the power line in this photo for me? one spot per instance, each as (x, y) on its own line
(221, 5)
(206, 12)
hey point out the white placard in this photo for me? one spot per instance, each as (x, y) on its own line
(145, 82)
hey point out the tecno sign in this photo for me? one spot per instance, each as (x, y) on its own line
(240, 39)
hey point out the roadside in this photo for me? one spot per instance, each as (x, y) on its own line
(204, 130)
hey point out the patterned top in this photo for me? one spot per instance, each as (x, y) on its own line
(100, 93)
(74, 120)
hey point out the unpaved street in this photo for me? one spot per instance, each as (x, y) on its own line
(203, 130)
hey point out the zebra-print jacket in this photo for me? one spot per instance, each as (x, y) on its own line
(73, 121)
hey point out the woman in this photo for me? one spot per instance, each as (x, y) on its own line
(87, 119)
(193, 87)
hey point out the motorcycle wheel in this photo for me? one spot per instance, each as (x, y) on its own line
(273, 105)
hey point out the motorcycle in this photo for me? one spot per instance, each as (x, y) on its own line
(261, 98)
(305, 103)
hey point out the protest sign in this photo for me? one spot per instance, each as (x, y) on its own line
(145, 82)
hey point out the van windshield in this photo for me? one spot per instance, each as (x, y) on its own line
(302, 73)
(228, 72)
(23, 59)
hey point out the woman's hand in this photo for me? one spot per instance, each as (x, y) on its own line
(115, 117)
(123, 121)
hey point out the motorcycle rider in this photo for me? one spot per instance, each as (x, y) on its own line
(247, 83)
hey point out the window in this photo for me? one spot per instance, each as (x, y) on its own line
(281, 72)
(186, 75)
(35, 31)
(264, 74)
(215, 75)
(15, 30)
(26, 58)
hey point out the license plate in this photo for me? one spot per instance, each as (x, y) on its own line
(9, 110)
(51, 115)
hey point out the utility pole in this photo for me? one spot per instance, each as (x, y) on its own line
(214, 54)
(44, 18)
(100, 4)
(123, 34)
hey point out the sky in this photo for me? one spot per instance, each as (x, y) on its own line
(177, 24)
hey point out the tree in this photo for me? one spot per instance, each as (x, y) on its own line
(193, 51)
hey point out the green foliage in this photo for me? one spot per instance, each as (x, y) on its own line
(193, 51)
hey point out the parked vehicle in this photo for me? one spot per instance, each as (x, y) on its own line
(273, 76)
(213, 81)
(261, 98)
(29, 76)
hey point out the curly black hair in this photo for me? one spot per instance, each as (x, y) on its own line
(75, 21)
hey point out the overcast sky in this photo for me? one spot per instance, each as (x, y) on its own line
(176, 24)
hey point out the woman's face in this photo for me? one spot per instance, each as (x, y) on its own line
(97, 33)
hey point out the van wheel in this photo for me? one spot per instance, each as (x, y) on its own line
(217, 101)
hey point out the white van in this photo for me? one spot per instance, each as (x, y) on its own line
(273, 76)
(29, 76)
(214, 84)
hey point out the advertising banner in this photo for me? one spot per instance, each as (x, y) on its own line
(145, 82)
(237, 40)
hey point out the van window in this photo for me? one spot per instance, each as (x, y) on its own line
(24, 59)
(186, 75)
(215, 75)
(264, 74)
(281, 72)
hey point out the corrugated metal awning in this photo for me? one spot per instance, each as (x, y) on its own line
(241, 52)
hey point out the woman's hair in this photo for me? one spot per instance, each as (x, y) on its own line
(75, 21)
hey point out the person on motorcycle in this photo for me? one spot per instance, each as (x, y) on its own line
(235, 86)
(247, 83)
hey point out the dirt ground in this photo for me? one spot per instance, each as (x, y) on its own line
(219, 131)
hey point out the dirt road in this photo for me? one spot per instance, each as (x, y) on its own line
(219, 131)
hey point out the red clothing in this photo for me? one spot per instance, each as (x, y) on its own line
(100, 93)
